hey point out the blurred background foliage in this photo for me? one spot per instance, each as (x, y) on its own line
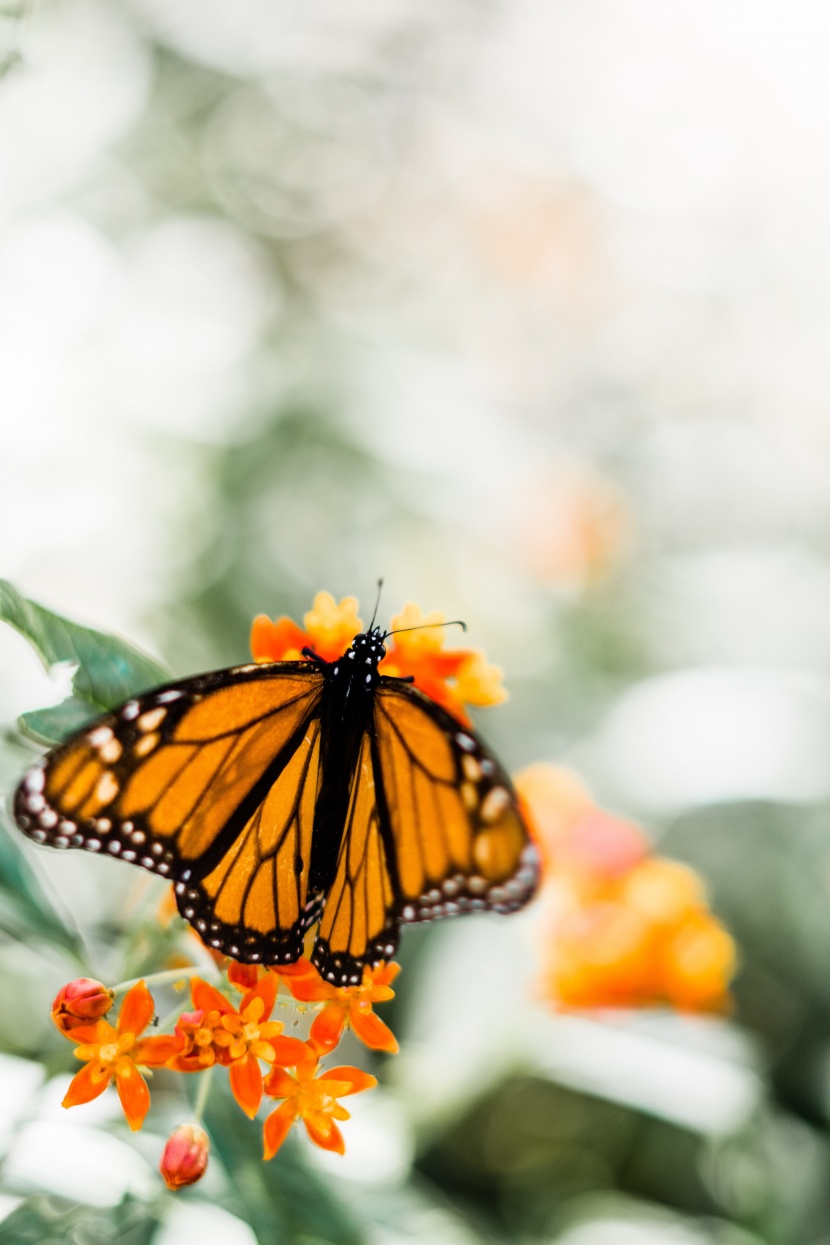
(523, 306)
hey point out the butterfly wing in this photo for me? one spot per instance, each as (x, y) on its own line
(210, 782)
(434, 829)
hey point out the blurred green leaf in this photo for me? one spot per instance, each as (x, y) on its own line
(53, 1221)
(108, 669)
(58, 722)
(25, 908)
(529, 1149)
(283, 1200)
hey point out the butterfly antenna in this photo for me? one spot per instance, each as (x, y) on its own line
(377, 604)
(456, 622)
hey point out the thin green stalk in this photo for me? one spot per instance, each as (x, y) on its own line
(202, 1096)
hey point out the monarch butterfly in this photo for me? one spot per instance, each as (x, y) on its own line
(276, 796)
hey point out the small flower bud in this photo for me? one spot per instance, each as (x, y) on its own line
(185, 1156)
(80, 1003)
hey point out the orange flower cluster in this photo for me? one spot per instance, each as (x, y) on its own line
(453, 677)
(625, 927)
(241, 1038)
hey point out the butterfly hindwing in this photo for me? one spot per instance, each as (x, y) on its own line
(255, 903)
(434, 830)
(460, 841)
(358, 924)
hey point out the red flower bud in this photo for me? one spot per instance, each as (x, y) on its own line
(185, 1156)
(80, 1003)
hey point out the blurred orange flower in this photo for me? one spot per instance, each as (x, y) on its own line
(117, 1053)
(330, 629)
(313, 1099)
(574, 527)
(238, 1038)
(452, 677)
(625, 927)
(349, 1006)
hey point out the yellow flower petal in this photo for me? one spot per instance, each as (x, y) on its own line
(332, 626)
(479, 683)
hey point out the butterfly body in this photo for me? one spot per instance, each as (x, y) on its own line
(345, 715)
(279, 795)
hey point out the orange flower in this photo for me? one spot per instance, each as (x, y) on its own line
(626, 928)
(117, 1052)
(185, 1156)
(299, 977)
(451, 677)
(574, 527)
(79, 1002)
(330, 629)
(642, 940)
(349, 1005)
(238, 1038)
(313, 1099)
(243, 976)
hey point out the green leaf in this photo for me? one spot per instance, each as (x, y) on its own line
(26, 911)
(55, 724)
(54, 1221)
(109, 670)
(283, 1200)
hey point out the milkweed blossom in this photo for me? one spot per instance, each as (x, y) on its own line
(350, 1006)
(312, 1098)
(329, 630)
(623, 926)
(116, 1053)
(239, 1038)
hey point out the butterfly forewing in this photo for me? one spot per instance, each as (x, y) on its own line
(170, 780)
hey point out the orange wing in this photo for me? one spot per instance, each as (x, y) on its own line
(211, 782)
(434, 830)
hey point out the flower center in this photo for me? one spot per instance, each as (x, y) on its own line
(250, 1033)
(113, 1050)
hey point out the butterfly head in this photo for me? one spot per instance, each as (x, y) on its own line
(368, 647)
(362, 658)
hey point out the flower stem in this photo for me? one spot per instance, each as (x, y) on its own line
(155, 979)
(202, 1096)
